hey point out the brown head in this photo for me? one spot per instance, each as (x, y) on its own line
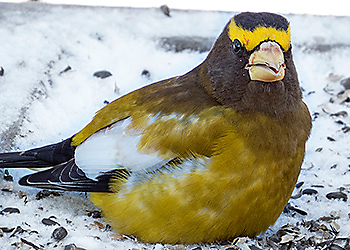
(250, 66)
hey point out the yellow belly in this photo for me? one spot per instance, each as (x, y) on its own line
(224, 201)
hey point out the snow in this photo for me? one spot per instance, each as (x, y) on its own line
(41, 104)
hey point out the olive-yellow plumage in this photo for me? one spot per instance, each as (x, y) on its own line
(220, 148)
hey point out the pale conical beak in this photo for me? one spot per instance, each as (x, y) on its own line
(266, 64)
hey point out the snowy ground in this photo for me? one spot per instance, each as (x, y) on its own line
(42, 103)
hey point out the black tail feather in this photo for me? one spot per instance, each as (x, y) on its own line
(42, 157)
(67, 177)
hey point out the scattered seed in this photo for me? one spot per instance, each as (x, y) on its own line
(30, 244)
(340, 113)
(7, 176)
(146, 73)
(337, 195)
(7, 229)
(117, 236)
(165, 9)
(346, 83)
(330, 138)
(317, 186)
(346, 129)
(335, 227)
(309, 191)
(59, 233)
(66, 69)
(46, 193)
(49, 222)
(102, 74)
(18, 230)
(335, 247)
(2, 71)
(299, 184)
(99, 224)
(94, 214)
(289, 208)
(333, 166)
(10, 210)
(1, 233)
(318, 149)
(251, 247)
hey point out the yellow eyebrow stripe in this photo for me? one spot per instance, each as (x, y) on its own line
(251, 39)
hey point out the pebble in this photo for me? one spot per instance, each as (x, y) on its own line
(59, 233)
(102, 74)
(337, 195)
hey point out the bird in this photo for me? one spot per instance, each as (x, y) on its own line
(206, 156)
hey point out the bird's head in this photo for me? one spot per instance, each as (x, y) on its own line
(250, 66)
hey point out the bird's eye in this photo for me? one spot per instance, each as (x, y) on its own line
(237, 46)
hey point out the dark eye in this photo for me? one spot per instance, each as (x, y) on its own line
(237, 46)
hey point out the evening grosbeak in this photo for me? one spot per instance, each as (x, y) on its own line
(209, 155)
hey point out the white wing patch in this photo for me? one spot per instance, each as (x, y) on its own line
(112, 148)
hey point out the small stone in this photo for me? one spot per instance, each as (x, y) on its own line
(102, 74)
(2, 71)
(165, 9)
(337, 195)
(59, 233)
